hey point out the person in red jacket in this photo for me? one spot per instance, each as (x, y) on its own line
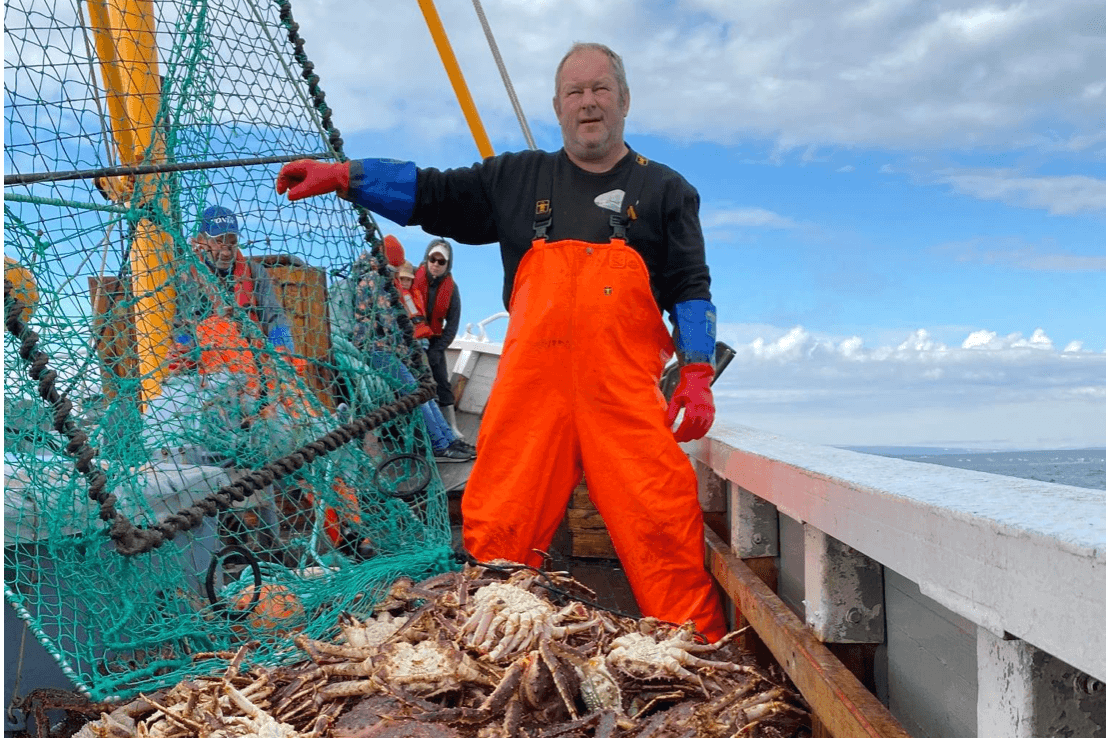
(597, 242)
(443, 306)
(437, 423)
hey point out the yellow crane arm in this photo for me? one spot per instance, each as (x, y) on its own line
(454, 72)
(123, 31)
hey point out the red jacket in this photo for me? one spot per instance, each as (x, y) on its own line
(412, 300)
(436, 316)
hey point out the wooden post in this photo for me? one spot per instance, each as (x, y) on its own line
(302, 291)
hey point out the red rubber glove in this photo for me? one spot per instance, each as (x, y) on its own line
(694, 393)
(308, 177)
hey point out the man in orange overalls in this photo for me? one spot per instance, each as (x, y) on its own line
(596, 241)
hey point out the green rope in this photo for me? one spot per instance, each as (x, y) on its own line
(70, 204)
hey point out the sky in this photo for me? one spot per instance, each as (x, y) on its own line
(903, 202)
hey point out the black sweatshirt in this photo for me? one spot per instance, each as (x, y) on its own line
(494, 200)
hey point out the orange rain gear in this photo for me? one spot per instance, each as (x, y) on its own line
(223, 349)
(577, 391)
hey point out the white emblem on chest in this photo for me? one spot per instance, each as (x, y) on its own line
(611, 200)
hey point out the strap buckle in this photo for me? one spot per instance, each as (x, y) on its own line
(619, 227)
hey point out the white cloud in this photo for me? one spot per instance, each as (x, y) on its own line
(990, 340)
(744, 218)
(916, 392)
(920, 340)
(1063, 195)
(800, 72)
(1017, 253)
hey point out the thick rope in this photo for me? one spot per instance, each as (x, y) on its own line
(131, 539)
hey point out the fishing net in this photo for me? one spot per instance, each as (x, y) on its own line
(179, 478)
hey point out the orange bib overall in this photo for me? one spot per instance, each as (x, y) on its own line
(577, 391)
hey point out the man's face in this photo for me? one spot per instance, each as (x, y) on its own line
(436, 265)
(589, 106)
(221, 249)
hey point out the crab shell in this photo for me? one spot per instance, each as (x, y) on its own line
(507, 621)
(429, 667)
(643, 657)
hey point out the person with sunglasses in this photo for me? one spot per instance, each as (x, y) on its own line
(363, 310)
(597, 243)
(443, 302)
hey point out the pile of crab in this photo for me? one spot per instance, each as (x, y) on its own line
(485, 652)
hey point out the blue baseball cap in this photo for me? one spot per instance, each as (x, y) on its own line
(218, 220)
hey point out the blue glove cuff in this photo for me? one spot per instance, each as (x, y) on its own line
(385, 186)
(281, 337)
(696, 331)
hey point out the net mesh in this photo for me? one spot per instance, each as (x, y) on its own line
(182, 474)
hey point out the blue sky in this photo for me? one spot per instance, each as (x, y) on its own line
(903, 202)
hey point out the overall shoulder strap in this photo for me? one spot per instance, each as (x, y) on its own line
(544, 188)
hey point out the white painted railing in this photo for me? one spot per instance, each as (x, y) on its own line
(1022, 560)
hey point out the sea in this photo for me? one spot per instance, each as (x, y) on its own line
(1077, 467)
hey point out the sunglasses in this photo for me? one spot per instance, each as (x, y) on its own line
(437, 260)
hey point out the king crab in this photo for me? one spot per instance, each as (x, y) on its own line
(508, 620)
(429, 668)
(645, 657)
(527, 687)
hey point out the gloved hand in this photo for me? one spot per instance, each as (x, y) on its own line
(308, 177)
(281, 337)
(694, 393)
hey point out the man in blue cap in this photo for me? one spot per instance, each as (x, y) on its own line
(246, 282)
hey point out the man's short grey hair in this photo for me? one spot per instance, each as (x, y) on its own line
(614, 61)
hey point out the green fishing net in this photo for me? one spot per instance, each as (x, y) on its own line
(175, 483)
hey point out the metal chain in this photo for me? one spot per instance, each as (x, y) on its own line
(63, 408)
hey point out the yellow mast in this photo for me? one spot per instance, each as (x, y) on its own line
(124, 36)
(454, 72)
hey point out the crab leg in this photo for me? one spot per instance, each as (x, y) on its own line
(766, 710)
(171, 715)
(348, 689)
(349, 669)
(574, 727)
(479, 622)
(322, 724)
(559, 672)
(508, 685)
(517, 634)
(513, 717)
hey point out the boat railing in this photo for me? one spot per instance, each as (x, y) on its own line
(480, 334)
(966, 603)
